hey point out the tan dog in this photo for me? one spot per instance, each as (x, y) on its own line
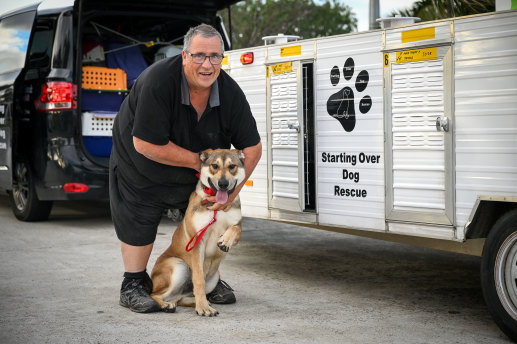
(178, 272)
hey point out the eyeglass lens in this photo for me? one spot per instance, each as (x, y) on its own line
(200, 58)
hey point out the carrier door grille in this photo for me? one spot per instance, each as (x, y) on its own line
(418, 148)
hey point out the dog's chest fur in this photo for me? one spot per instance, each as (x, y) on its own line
(224, 220)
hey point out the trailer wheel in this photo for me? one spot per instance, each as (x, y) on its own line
(499, 273)
(24, 202)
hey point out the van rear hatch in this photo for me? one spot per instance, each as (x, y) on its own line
(118, 39)
(182, 6)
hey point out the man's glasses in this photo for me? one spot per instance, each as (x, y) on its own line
(200, 58)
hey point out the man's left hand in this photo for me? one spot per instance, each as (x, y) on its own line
(217, 206)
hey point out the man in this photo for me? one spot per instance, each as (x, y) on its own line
(177, 108)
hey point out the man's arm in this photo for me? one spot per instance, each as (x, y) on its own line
(169, 154)
(251, 158)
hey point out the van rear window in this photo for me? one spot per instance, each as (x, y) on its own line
(15, 32)
(41, 43)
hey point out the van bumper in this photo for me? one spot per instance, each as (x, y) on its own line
(68, 164)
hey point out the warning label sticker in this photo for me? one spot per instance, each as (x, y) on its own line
(416, 55)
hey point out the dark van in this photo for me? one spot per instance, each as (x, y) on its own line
(65, 68)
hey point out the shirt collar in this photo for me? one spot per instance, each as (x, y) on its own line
(213, 101)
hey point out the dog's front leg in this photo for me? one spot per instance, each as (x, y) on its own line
(198, 279)
(230, 238)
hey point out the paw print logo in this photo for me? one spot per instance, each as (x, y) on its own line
(341, 104)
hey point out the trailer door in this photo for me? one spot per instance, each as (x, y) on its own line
(419, 149)
(291, 137)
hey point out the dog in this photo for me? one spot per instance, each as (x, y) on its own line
(189, 268)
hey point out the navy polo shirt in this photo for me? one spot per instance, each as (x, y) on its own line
(158, 110)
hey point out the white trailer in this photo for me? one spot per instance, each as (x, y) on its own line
(407, 134)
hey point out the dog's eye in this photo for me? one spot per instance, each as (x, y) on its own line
(231, 167)
(215, 166)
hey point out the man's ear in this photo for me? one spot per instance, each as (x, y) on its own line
(184, 57)
(205, 154)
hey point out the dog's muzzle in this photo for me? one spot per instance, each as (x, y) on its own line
(222, 192)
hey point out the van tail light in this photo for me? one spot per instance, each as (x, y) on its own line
(57, 95)
(75, 188)
(247, 58)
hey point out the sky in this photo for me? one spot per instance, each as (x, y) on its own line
(360, 7)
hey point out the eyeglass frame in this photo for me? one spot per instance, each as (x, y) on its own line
(204, 58)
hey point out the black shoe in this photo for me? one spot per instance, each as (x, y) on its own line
(148, 284)
(222, 294)
(134, 294)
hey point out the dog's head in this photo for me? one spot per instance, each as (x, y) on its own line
(222, 170)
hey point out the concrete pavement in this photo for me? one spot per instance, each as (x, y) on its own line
(60, 280)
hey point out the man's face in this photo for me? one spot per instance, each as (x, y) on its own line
(202, 76)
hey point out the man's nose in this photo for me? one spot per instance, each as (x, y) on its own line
(206, 63)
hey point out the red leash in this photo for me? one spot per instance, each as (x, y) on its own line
(202, 231)
(200, 234)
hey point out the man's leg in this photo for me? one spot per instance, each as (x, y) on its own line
(137, 285)
(135, 257)
(126, 208)
(135, 260)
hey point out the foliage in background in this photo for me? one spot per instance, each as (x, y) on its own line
(252, 20)
(439, 9)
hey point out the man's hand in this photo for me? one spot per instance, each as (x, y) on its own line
(251, 158)
(217, 206)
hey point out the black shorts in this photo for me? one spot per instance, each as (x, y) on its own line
(136, 214)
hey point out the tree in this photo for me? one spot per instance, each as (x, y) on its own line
(442, 9)
(252, 20)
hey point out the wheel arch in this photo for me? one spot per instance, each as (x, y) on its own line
(486, 212)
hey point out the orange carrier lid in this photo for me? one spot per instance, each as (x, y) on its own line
(101, 78)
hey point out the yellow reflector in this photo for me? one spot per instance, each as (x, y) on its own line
(225, 60)
(418, 34)
(249, 182)
(291, 51)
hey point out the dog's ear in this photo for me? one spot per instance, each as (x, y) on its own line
(239, 153)
(241, 156)
(205, 154)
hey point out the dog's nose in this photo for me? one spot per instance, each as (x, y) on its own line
(223, 184)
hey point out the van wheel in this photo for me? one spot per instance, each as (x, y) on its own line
(499, 273)
(24, 202)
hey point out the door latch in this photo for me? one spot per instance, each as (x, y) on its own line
(294, 125)
(442, 123)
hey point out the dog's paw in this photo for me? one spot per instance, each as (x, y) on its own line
(206, 311)
(222, 246)
(229, 239)
(169, 308)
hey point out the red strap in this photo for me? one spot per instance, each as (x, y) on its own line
(208, 191)
(200, 234)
